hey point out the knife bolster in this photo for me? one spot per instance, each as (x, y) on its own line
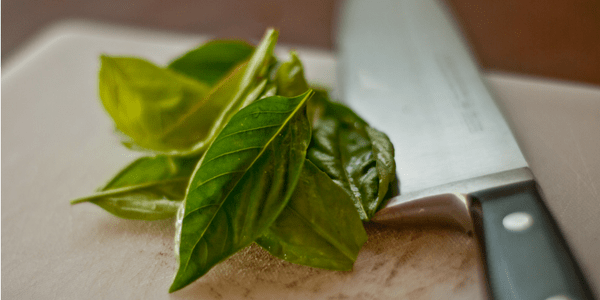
(446, 205)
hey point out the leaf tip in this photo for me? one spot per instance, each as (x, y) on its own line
(179, 282)
(173, 288)
(104, 58)
(272, 33)
(78, 200)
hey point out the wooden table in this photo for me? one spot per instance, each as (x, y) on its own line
(557, 39)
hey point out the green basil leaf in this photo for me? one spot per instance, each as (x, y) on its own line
(145, 100)
(319, 227)
(150, 188)
(383, 151)
(213, 60)
(170, 113)
(357, 157)
(242, 183)
(290, 77)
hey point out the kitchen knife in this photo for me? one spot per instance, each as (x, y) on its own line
(405, 68)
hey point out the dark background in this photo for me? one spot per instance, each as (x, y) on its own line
(557, 39)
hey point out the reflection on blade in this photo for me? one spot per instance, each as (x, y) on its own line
(405, 69)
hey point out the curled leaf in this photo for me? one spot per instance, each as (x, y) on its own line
(356, 156)
(290, 77)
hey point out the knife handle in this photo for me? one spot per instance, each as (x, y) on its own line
(525, 254)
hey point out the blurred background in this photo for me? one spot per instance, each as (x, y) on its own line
(557, 39)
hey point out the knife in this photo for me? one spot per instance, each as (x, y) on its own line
(404, 66)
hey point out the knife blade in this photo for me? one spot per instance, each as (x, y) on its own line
(406, 68)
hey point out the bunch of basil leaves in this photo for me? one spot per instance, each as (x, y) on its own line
(241, 150)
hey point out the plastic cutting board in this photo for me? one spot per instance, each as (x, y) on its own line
(58, 144)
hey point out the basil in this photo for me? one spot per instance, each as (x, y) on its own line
(212, 61)
(357, 157)
(319, 227)
(290, 77)
(167, 112)
(242, 183)
(240, 149)
(150, 188)
(146, 100)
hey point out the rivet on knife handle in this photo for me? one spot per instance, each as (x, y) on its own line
(526, 256)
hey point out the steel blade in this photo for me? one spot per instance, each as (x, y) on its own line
(409, 74)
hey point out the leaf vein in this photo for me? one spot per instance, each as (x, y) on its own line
(199, 208)
(132, 188)
(248, 130)
(231, 152)
(217, 176)
(270, 112)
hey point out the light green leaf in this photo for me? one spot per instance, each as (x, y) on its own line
(213, 60)
(319, 227)
(290, 77)
(150, 188)
(145, 100)
(357, 157)
(167, 112)
(242, 183)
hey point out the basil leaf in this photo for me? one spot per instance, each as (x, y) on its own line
(383, 152)
(357, 157)
(167, 112)
(290, 77)
(213, 60)
(145, 100)
(319, 227)
(150, 188)
(242, 183)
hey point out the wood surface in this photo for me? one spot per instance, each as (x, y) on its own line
(557, 39)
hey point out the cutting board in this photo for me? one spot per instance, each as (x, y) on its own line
(58, 144)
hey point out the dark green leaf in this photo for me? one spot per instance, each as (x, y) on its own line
(150, 188)
(167, 112)
(290, 77)
(242, 183)
(357, 157)
(319, 227)
(213, 60)
(383, 152)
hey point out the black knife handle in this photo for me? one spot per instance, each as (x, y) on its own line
(526, 256)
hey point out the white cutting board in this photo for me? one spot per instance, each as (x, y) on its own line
(57, 144)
